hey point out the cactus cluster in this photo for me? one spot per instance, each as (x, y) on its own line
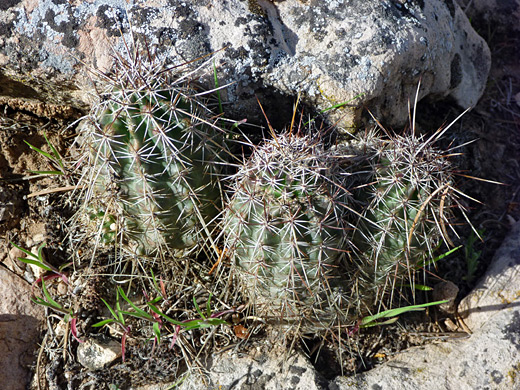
(314, 233)
(152, 150)
(318, 235)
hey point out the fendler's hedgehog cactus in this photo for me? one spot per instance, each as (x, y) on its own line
(287, 231)
(152, 149)
(408, 206)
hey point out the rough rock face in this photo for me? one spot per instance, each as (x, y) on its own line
(20, 321)
(329, 51)
(260, 372)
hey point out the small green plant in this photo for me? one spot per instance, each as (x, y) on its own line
(391, 316)
(335, 106)
(155, 316)
(47, 300)
(38, 260)
(53, 157)
(435, 260)
(69, 314)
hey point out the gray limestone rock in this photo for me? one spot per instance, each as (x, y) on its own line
(249, 372)
(15, 296)
(96, 354)
(18, 349)
(499, 290)
(329, 51)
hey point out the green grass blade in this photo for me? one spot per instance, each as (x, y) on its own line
(208, 306)
(420, 287)
(102, 323)
(28, 253)
(57, 156)
(119, 316)
(423, 264)
(342, 104)
(139, 312)
(157, 332)
(111, 310)
(49, 298)
(157, 311)
(198, 309)
(41, 302)
(48, 155)
(154, 282)
(201, 324)
(35, 262)
(369, 320)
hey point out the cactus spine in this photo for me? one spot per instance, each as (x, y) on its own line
(407, 208)
(152, 150)
(286, 228)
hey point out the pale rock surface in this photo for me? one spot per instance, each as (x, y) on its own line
(15, 296)
(247, 372)
(329, 51)
(499, 289)
(96, 354)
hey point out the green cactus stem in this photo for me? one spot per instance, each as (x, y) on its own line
(152, 149)
(287, 230)
(408, 207)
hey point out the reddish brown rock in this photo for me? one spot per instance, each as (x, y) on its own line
(20, 323)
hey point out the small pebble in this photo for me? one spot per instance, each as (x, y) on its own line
(446, 291)
(62, 288)
(96, 354)
(38, 238)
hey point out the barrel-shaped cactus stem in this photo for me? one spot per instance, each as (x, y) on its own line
(288, 231)
(152, 149)
(409, 204)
